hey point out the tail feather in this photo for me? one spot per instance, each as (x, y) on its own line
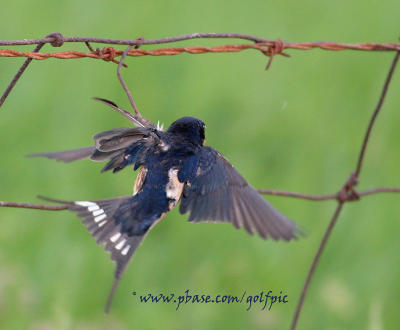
(100, 220)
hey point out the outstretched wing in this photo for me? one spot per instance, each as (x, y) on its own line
(67, 155)
(217, 192)
(120, 146)
(108, 226)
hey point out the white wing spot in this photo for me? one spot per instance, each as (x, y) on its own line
(126, 249)
(85, 203)
(120, 244)
(100, 217)
(115, 237)
(98, 212)
(93, 208)
(101, 224)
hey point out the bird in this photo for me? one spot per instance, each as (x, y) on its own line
(174, 167)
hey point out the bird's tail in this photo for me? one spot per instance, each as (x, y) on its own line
(98, 218)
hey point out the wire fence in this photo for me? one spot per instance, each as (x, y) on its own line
(270, 48)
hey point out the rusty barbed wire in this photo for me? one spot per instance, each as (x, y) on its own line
(267, 47)
(270, 48)
(109, 53)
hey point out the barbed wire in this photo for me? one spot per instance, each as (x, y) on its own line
(347, 193)
(109, 53)
(57, 40)
(267, 47)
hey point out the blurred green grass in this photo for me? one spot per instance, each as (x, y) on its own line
(297, 127)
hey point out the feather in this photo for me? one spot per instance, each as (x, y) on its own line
(126, 114)
(68, 155)
(219, 193)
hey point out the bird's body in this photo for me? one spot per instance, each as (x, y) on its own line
(174, 166)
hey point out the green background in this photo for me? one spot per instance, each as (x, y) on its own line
(297, 127)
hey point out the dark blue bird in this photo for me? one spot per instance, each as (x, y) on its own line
(174, 166)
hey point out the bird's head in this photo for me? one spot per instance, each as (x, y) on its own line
(189, 128)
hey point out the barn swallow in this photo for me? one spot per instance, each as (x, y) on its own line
(175, 166)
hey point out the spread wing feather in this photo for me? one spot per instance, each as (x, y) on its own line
(119, 138)
(217, 192)
(68, 155)
(120, 147)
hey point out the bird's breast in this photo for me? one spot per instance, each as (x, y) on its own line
(173, 188)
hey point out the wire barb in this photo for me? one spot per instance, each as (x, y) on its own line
(107, 54)
(58, 39)
(276, 48)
